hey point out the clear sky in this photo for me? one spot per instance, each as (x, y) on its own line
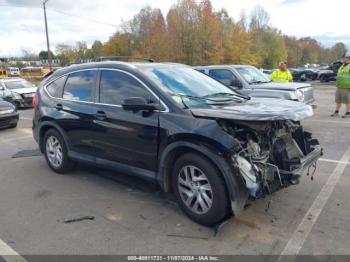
(22, 21)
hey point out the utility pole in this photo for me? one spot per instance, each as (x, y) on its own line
(49, 58)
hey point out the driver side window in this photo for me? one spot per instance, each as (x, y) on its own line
(223, 75)
(115, 86)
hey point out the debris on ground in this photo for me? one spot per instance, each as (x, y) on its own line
(246, 206)
(217, 227)
(78, 219)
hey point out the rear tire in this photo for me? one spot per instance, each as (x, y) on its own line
(200, 189)
(56, 153)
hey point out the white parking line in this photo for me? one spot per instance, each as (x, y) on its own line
(26, 118)
(328, 121)
(5, 140)
(334, 161)
(9, 254)
(301, 233)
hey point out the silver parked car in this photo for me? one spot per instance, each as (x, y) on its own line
(251, 81)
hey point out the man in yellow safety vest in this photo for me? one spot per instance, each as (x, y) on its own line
(342, 94)
(282, 74)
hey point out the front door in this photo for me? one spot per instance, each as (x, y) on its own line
(125, 137)
(226, 77)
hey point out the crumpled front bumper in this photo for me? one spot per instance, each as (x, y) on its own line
(306, 162)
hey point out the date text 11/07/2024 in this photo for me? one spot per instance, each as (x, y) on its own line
(173, 258)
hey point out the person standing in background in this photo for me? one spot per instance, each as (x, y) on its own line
(282, 74)
(342, 94)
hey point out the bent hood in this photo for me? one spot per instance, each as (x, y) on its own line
(257, 109)
(280, 86)
(24, 90)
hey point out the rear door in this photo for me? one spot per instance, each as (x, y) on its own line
(125, 137)
(75, 111)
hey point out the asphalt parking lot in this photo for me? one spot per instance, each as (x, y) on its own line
(133, 217)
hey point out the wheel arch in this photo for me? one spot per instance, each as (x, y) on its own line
(44, 127)
(234, 184)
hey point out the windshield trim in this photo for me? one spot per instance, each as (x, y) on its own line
(239, 68)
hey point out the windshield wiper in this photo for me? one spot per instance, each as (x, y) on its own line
(207, 98)
(259, 82)
(213, 101)
(240, 95)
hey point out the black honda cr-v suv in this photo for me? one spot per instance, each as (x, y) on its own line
(209, 145)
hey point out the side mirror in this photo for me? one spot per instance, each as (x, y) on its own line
(138, 104)
(236, 83)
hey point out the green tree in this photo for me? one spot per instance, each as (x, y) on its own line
(183, 23)
(268, 46)
(65, 53)
(43, 55)
(338, 51)
(97, 48)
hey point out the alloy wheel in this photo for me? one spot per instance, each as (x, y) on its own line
(54, 151)
(195, 189)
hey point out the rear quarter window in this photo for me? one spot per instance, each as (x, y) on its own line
(55, 88)
(80, 86)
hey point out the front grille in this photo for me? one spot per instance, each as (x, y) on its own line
(28, 100)
(4, 122)
(308, 94)
(28, 95)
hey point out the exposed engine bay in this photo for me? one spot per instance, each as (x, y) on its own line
(272, 154)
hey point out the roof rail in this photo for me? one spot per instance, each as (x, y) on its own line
(123, 59)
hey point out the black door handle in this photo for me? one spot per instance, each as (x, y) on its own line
(100, 115)
(59, 107)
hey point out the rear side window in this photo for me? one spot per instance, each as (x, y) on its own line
(55, 89)
(222, 75)
(115, 86)
(80, 86)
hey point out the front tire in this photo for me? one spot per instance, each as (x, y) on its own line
(200, 189)
(56, 153)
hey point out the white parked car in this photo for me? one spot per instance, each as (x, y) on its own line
(18, 91)
(13, 71)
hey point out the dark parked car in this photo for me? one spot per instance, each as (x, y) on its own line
(18, 91)
(8, 115)
(330, 73)
(168, 123)
(301, 74)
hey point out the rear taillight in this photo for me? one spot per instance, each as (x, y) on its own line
(35, 101)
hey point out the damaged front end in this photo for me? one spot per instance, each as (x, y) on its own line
(273, 154)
